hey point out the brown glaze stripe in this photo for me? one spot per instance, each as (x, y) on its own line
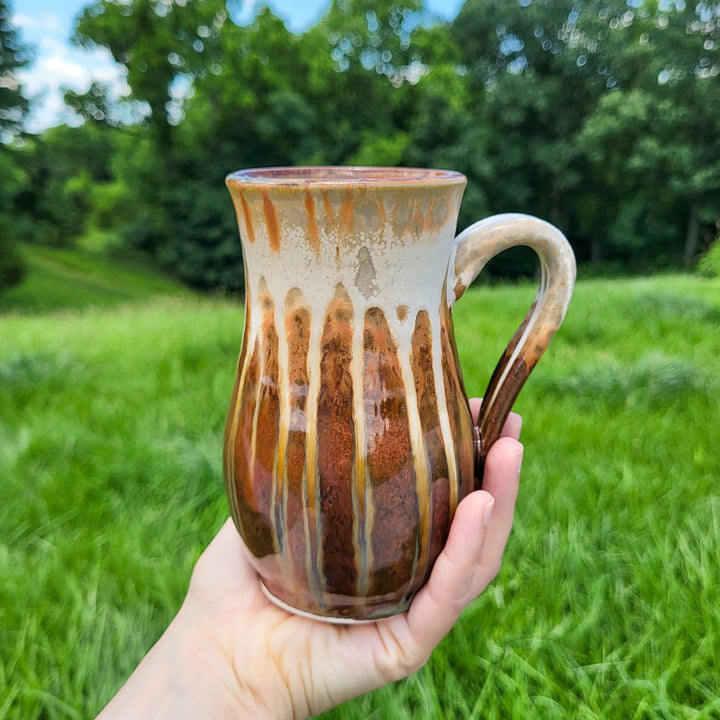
(249, 340)
(253, 523)
(359, 481)
(421, 463)
(460, 420)
(271, 221)
(347, 214)
(369, 517)
(394, 531)
(336, 445)
(280, 479)
(256, 414)
(249, 229)
(426, 399)
(263, 298)
(267, 421)
(313, 234)
(312, 519)
(329, 209)
(443, 412)
(297, 328)
(275, 511)
(466, 438)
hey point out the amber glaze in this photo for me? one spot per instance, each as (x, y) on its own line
(349, 441)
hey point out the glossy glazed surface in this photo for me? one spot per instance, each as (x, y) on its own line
(349, 439)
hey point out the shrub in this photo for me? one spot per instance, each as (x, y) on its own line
(709, 265)
(12, 266)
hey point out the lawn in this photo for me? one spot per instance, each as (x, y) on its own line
(608, 602)
(76, 278)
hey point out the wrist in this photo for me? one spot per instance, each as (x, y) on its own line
(232, 659)
(186, 674)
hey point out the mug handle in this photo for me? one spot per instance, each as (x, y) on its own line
(473, 248)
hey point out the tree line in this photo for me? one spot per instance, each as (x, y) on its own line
(602, 116)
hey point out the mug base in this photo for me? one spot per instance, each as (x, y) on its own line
(332, 619)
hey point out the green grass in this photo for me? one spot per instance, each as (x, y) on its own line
(608, 603)
(78, 278)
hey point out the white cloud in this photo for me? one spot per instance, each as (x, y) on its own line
(46, 22)
(59, 71)
(50, 110)
(59, 66)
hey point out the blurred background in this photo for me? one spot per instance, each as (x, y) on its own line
(121, 319)
(601, 117)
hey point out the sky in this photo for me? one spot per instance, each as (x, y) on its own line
(48, 24)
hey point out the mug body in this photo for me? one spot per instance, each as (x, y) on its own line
(349, 441)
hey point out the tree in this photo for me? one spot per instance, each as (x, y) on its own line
(161, 44)
(14, 56)
(94, 105)
(12, 267)
(533, 77)
(247, 108)
(654, 140)
(598, 115)
(13, 108)
(604, 118)
(62, 168)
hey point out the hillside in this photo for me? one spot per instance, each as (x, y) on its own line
(64, 278)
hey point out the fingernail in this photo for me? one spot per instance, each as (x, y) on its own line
(520, 452)
(487, 512)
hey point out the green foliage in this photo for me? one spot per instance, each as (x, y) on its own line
(599, 118)
(12, 267)
(61, 171)
(159, 43)
(382, 150)
(14, 56)
(709, 265)
(94, 106)
(606, 605)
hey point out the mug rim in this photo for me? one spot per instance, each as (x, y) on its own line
(344, 175)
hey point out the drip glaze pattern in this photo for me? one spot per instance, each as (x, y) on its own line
(349, 441)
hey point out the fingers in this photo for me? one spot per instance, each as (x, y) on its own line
(475, 404)
(501, 479)
(473, 552)
(512, 426)
(439, 604)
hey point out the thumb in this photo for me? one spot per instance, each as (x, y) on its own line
(450, 587)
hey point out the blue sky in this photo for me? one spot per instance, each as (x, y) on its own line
(47, 24)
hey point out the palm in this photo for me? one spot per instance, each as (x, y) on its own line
(322, 662)
(299, 667)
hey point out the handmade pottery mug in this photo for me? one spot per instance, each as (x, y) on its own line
(349, 440)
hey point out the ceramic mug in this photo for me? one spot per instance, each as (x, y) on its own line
(349, 440)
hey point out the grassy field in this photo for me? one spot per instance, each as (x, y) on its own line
(77, 278)
(608, 603)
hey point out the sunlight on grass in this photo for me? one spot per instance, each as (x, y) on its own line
(607, 604)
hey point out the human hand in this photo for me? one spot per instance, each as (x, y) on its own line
(231, 653)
